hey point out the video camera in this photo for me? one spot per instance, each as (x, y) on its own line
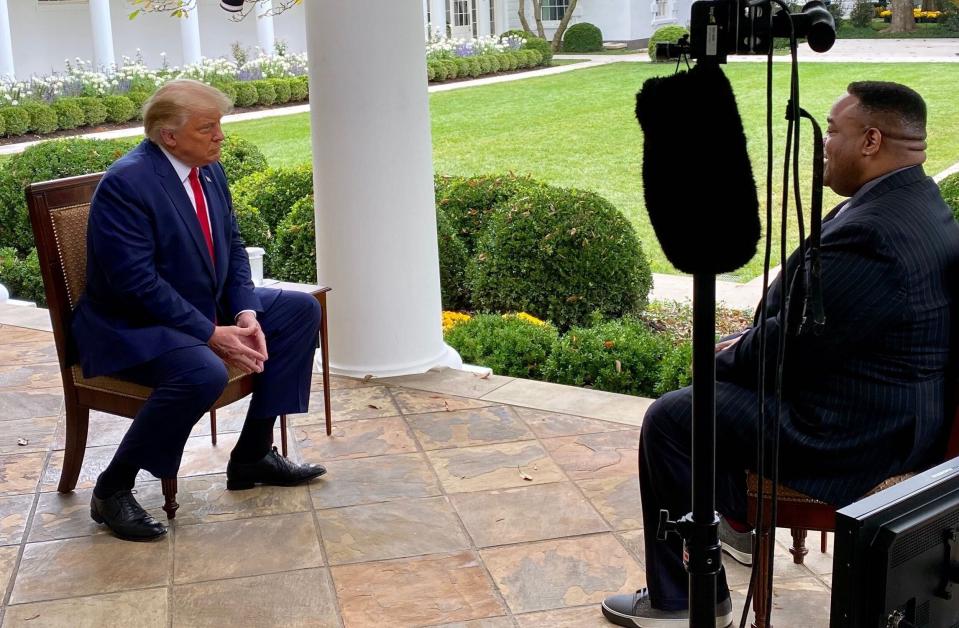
(718, 28)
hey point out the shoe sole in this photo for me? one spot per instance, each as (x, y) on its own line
(236, 485)
(739, 556)
(619, 619)
(137, 539)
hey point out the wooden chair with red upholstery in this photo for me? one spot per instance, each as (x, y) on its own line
(802, 513)
(58, 212)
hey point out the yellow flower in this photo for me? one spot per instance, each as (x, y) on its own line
(451, 319)
(529, 318)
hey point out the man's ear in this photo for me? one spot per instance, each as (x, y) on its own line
(872, 140)
(167, 138)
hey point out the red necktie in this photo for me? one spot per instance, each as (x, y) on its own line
(201, 210)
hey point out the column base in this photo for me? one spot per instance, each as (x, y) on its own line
(447, 357)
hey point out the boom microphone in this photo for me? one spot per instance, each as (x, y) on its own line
(697, 179)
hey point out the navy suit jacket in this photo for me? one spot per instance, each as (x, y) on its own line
(151, 286)
(866, 399)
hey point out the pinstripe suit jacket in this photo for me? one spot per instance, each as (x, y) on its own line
(866, 399)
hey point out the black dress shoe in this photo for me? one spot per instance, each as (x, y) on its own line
(125, 517)
(271, 469)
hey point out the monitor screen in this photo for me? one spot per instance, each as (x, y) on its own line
(896, 554)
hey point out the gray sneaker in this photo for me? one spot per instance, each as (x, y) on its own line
(635, 611)
(738, 545)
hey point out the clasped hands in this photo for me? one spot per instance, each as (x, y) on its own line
(242, 345)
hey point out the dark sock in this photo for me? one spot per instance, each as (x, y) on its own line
(118, 476)
(255, 440)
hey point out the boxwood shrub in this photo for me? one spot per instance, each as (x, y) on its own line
(622, 356)
(240, 158)
(138, 98)
(265, 92)
(119, 108)
(510, 345)
(665, 34)
(561, 255)
(282, 88)
(22, 276)
(16, 120)
(299, 88)
(246, 94)
(43, 119)
(273, 191)
(253, 228)
(543, 47)
(94, 111)
(453, 260)
(950, 191)
(293, 253)
(69, 113)
(583, 37)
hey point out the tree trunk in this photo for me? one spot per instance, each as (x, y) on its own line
(522, 17)
(902, 19)
(538, 14)
(561, 29)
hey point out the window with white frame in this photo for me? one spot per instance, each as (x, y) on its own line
(662, 8)
(554, 10)
(461, 13)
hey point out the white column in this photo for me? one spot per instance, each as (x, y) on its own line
(482, 18)
(264, 27)
(373, 182)
(190, 36)
(438, 17)
(102, 34)
(6, 43)
(502, 17)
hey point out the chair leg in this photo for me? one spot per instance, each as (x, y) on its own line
(170, 504)
(822, 541)
(78, 420)
(762, 567)
(798, 550)
(325, 359)
(213, 426)
(283, 434)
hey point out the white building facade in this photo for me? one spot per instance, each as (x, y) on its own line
(37, 36)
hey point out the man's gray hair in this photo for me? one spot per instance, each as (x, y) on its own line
(175, 101)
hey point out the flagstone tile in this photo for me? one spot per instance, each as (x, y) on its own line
(89, 565)
(8, 559)
(580, 617)
(567, 572)
(529, 513)
(14, 512)
(463, 428)
(349, 404)
(378, 479)
(103, 429)
(201, 457)
(26, 404)
(209, 551)
(820, 563)
(390, 530)
(95, 460)
(19, 473)
(143, 609)
(797, 602)
(30, 376)
(420, 402)
(635, 544)
(354, 439)
(296, 599)
(337, 382)
(450, 382)
(28, 351)
(588, 456)
(490, 467)
(416, 592)
(67, 515)
(204, 499)
(13, 333)
(552, 424)
(491, 622)
(617, 499)
(35, 434)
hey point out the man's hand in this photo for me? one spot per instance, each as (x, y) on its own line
(236, 345)
(726, 344)
(257, 341)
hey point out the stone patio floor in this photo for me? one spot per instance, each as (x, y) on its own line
(451, 499)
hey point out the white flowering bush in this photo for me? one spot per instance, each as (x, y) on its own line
(442, 48)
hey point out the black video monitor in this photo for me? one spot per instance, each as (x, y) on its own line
(896, 555)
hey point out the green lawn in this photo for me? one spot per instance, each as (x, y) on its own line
(578, 129)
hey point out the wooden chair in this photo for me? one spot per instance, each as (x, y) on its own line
(802, 513)
(58, 212)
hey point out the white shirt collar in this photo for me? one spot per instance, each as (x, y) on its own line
(182, 170)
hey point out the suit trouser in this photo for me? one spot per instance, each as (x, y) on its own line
(187, 381)
(665, 480)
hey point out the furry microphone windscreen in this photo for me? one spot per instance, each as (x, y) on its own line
(697, 179)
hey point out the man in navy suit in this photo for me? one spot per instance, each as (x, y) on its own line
(865, 399)
(169, 303)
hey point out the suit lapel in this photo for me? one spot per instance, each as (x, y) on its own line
(176, 192)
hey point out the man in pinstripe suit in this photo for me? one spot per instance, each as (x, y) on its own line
(865, 399)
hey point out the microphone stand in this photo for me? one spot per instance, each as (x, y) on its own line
(700, 529)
